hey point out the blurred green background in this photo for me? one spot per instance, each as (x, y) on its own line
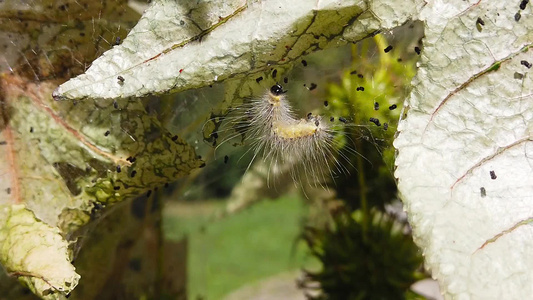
(226, 254)
(347, 241)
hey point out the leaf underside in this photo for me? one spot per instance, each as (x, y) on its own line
(175, 47)
(465, 150)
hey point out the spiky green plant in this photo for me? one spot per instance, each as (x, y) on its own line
(378, 261)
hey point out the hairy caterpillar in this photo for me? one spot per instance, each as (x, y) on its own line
(307, 146)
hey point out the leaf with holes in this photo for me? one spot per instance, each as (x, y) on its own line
(62, 161)
(465, 150)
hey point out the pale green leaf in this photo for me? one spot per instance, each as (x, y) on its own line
(36, 253)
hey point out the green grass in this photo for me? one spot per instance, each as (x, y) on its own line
(240, 249)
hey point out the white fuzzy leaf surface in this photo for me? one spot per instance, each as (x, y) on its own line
(178, 45)
(470, 113)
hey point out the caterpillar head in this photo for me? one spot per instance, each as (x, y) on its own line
(277, 90)
(275, 96)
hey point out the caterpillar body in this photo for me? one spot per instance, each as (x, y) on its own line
(306, 145)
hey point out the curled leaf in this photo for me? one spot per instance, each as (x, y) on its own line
(36, 253)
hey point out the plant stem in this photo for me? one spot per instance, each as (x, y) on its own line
(359, 159)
